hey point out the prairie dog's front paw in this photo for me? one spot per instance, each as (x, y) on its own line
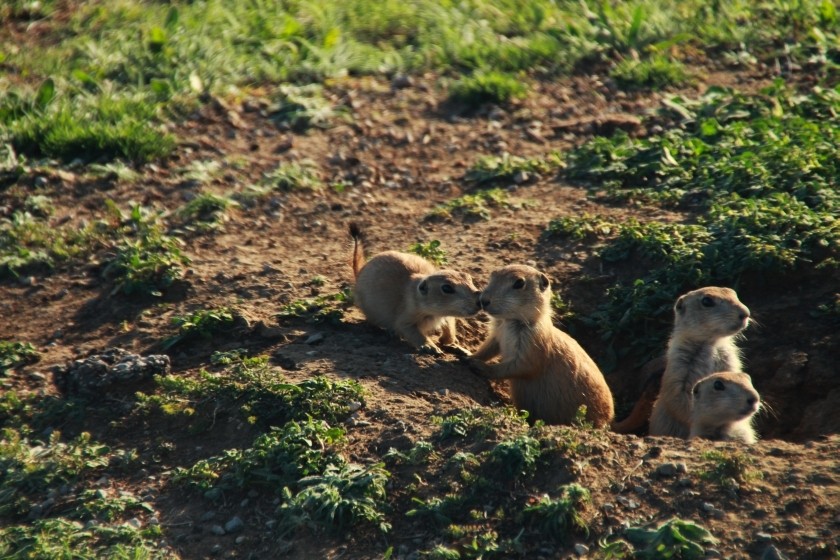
(457, 350)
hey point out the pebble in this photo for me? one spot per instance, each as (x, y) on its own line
(666, 469)
(207, 516)
(234, 525)
(626, 502)
(315, 338)
(134, 522)
(763, 537)
(773, 553)
(217, 530)
(581, 549)
(240, 539)
(217, 548)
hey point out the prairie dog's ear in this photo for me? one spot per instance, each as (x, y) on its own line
(423, 288)
(544, 282)
(680, 306)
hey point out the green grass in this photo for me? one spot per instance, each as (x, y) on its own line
(476, 206)
(13, 354)
(430, 251)
(293, 176)
(327, 308)
(490, 169)
(756, 174)
(203, 323)
(487, 87)
(654, 73)
(205, 212)
(560, 516)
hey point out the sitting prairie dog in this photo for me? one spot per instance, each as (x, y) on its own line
(722, 407)
(702, 342)
(549, 374)
(406, 294)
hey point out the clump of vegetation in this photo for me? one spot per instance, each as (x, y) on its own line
(203, 323)
(514, 458)
(430, 251)
(320, 309)
(303, 107)
(730, 470)
(13, 354)
(205, 212)
(675, 538)
(472, 206)
(656, 72)
(294, 176)
(761, 174)
(487, 87)
(508, 168)
(562, 516)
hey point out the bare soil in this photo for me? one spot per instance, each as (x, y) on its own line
(404, 152)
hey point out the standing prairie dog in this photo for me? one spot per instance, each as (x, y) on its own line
(406, 294)
(702, 342)
(549, 374)
(722, 407)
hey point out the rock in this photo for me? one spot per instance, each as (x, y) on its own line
(234, 525)
(581, 549)
(240, 539)
(773, 553)
(666, 469)
(626, 502)
(402, 81)
(217, 548)
(314, 338)
(521, 177)
(217, 530)
(134, 522)
(89, 376)
(763, 537)
(207, 516)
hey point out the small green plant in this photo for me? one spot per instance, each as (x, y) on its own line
(327, 308)
(340, 498)
(730, 469)
(675, 538)
(488, 87)
(511, 168)
(13, 354)
(561, 516)
(147, 265)
(203, 323)
(472, 206)
(514, 458)
(430, 251)
(293, 176)
(423, 452)
(477, 423)
(584, 227)
(303, 107)
(656, 72)
(205, 212)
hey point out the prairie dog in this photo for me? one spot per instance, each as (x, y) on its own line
(549, 374)
(722, 407)
(702, 342)
(406, 294)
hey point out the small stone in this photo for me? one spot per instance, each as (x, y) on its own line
(666, 469)
(154, 521)
(271, 524)
(682, 468)
(353, 406)
(244, 503)
(207, 516)
(217, 530)
(763, 537)
(708, 507)
(581, 549)
(685, 482)
(402, 81)
(521, 177)
(216, 549)
(626, 502)
(773, 553)
(101, 494)
(41, 181)
(315, 338)
(134, 522)
(253, 494)
(234, 525)
(240, 539)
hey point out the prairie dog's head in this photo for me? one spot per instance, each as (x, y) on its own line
(724, 397)
(448, 293)
(517, 292)
(710, 313)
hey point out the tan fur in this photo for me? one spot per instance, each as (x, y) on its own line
(702, 342)
(549, 374)
(406, 294)
(723, 405)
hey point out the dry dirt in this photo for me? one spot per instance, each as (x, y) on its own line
(403, 153)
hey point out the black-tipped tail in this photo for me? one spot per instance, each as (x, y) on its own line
(358, 260)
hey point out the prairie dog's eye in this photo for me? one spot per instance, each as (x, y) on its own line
(519, 284)
(707, 302)
(719, 386)
(696, 390)
(447, 289)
